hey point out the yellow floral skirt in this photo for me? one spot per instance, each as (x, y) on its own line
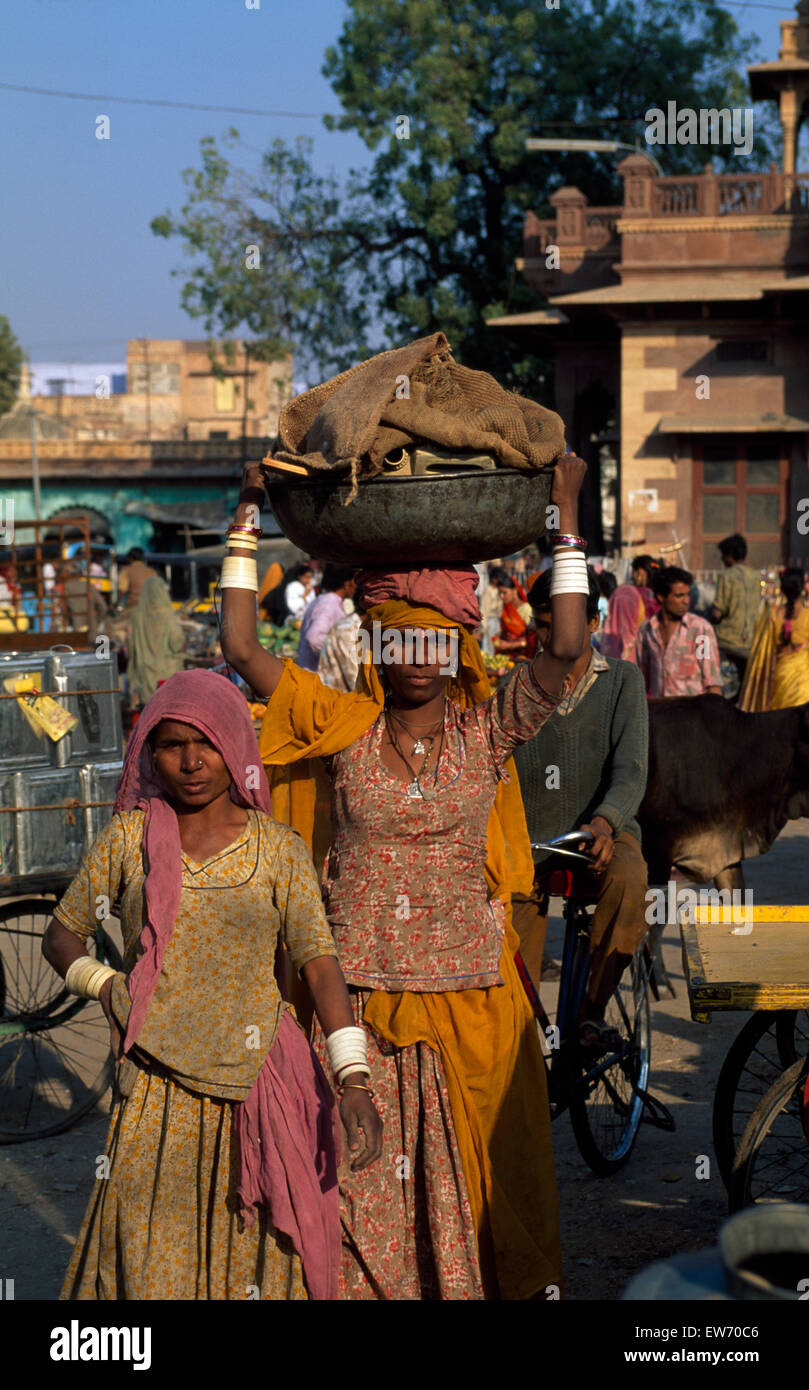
(164, 1223)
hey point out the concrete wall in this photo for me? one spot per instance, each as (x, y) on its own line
(191, 411)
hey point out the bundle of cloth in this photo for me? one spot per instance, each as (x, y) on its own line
(414, 394)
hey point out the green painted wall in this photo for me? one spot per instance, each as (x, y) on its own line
(110, 500)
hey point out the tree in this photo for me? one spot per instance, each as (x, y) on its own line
(276, 255)
(11, 360)
(474, 80)
(444, 94)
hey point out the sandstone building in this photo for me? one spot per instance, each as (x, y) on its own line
(679, 324)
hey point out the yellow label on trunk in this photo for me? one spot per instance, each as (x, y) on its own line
(42, 712)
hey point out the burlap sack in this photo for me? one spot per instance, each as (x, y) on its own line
(414, 394)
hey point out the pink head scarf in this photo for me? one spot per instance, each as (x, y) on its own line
(450, 591)
(625, 613)
(211, 704)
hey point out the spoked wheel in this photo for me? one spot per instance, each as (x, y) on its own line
(767, 1044)
(772, 1160)
(606, 1109)
(55, 1061)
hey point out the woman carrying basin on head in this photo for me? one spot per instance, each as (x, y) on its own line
(427, 838)
(221, 1181)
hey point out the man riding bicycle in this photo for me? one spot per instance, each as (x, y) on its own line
(586, 769)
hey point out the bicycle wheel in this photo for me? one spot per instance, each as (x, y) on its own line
(55, 1062)
(772, 1160)
(605, 1108)
(766, 1045)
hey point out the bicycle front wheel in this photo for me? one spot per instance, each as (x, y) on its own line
(772, 1160)
(606, 1108)
(55, 1060)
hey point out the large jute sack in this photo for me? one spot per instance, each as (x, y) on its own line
(414, 394)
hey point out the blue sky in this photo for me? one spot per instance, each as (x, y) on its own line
(80, 271)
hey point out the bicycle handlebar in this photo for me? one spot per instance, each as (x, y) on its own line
(562, 845)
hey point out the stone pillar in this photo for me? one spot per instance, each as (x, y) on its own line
(569, 205)
(709, 185)
(790, 120)
(639, 175)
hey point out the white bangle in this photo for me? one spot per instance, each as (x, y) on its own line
(239, 572)
(569, 574)
(87, 977)
(348, 1051)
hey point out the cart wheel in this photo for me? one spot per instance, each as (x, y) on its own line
(55, 1061)
(606, 1111)
(772, 1160)
(766, 1045)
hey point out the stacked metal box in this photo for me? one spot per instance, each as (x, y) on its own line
(63, 791)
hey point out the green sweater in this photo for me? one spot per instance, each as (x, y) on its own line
(601, 751)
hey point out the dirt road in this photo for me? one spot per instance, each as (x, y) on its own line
(611, 1227)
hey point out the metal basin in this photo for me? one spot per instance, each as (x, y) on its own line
(413, 521)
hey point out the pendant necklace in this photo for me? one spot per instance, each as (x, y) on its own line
(415, 790)
(418, 746)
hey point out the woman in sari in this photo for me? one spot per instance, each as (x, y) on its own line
(220, 1166)
(777, 674)
(156, 641)
(625, 613)
(516, 638)
(426, 842)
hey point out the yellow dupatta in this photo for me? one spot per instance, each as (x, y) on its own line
(486, 1039)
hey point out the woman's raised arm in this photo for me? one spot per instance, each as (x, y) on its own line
(240, 645)
(552, 665)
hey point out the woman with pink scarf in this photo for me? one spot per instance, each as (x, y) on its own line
(221, 1173)
(625, 613)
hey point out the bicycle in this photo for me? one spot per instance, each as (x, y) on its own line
(607, 1096)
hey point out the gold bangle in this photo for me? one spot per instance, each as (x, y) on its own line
(354, 1086)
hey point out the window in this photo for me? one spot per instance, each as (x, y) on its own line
(743, 350)
(163, 378)
(217, 434)
(224, 394)
(740, 485)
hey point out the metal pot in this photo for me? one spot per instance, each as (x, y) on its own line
(410, 521)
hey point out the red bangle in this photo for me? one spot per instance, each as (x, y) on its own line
(578, 541)
(237, 529)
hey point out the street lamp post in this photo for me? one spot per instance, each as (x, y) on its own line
(535, 145)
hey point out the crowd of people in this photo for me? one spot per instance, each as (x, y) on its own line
(751, 639)
(320, 934)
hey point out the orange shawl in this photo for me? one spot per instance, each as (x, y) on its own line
(486, 1038)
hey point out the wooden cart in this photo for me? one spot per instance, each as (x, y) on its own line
(759, 963)
(754, 959)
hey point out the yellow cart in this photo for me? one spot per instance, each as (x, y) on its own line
(751, 959)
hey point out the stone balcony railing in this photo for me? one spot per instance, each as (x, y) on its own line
(730, 195)
(648, 194)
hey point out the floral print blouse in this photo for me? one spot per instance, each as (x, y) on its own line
(405, 888)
